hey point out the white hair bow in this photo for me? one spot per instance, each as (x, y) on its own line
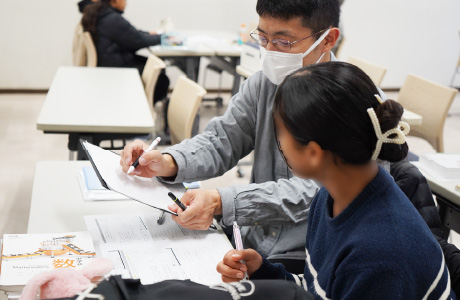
(401, 131)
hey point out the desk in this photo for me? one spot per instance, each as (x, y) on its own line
(186, 59)
(57, 206)
(57, 203)
(243, 71)
(219, 45)
(96, 104)
(412, 118)
(448, 200)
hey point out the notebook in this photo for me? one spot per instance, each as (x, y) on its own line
(92, 189)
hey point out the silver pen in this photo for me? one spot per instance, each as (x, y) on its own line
(161, 218)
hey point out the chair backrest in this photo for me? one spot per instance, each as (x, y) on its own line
(430, 100)
(152, 70)
(183, 106)
(78, 47)
(91, 54)
(375, 72)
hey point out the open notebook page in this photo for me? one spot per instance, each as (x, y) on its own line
(146, 190)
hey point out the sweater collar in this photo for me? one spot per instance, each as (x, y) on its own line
(375, 187)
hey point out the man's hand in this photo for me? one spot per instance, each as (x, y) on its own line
(202, 205)
(151, 164)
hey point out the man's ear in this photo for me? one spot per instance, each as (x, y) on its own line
(331, 38)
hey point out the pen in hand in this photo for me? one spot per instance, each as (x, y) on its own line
(177, 201)
(161, 218)
(239, 244)
(182, 206)
(136, 163)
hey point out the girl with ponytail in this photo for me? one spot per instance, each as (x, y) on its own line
(365, 239)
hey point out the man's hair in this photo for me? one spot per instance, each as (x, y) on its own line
(315, 14)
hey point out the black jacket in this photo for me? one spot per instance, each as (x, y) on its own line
(117, 40)
(414, 185)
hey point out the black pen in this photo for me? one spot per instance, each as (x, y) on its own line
(182, 206)
(136, 163)
(177, 201)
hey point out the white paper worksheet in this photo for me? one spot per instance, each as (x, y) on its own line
(140, 248)
(146, 190)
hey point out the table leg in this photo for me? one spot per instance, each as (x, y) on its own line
(192, 67)
(450, 216)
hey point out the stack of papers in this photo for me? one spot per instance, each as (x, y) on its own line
(25, 255)
(443, 166)
(142, 249)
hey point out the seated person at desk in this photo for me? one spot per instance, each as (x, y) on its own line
(365, 240)
(272, 211)
(117, 41)
(83, 3)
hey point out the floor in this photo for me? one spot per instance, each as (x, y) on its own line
(22, 146)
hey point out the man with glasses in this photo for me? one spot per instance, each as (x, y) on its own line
(273, 209)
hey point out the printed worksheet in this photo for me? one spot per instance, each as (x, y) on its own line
(141, 248)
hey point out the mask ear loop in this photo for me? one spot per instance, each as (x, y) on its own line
(401, 131)
(312, 47)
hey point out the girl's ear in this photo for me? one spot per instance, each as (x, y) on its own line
(315, 155)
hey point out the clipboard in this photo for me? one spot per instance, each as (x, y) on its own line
(147, 191)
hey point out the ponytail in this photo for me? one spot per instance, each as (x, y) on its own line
(91, 16)
(389, 114)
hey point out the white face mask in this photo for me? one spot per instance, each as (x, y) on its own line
(277, 65)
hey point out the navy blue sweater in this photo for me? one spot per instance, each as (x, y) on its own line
(379, 247)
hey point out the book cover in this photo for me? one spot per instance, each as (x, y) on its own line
(25, 255)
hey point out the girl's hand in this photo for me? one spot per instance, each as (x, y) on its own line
(233, 270)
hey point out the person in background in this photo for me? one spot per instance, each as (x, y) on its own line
(82, 4)
(117, 41)
(272, 211)
(365, 239)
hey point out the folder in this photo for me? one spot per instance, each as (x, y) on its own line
(148, 191)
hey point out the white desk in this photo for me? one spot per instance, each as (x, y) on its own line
(448, 200)
(84, 102)
(243, 71)
(412, 118)
(220, 46)
(57, 203)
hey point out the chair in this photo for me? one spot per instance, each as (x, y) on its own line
(375, 72)
(183, 106)
(430, 100)
(91, 54)
(152, 70)
(78, 47)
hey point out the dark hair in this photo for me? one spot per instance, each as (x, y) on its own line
(327, 103)
(91, 15)
(315, 14)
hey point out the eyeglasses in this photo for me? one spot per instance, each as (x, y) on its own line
(280, 44)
